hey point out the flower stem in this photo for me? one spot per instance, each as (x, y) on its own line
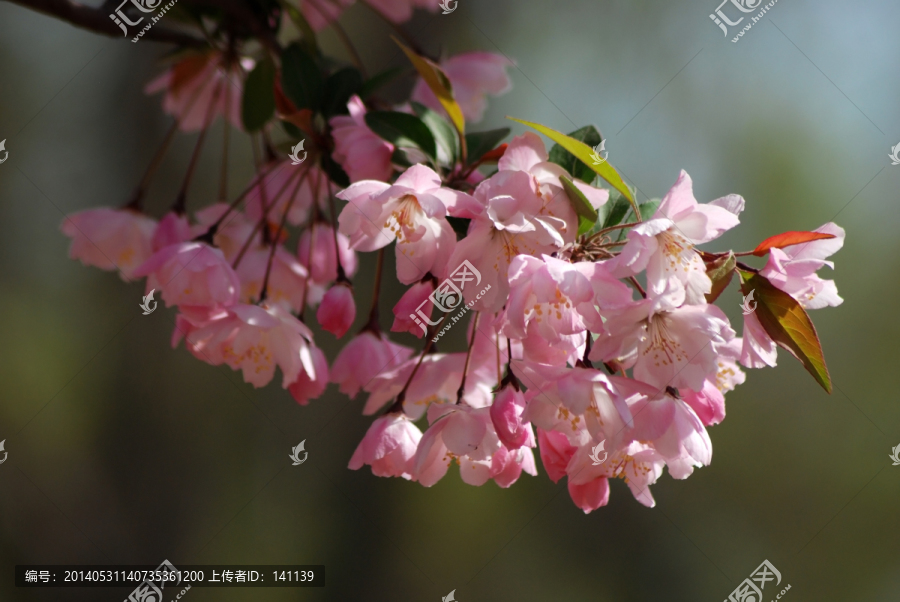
(181, 200)
(275, 241)
(462, 385)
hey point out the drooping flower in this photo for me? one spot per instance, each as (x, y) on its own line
(287, 281)
(316, 251)
(281, 184)
(172, 229)
(389, 447)
(337, 310)
(200, 83)
(473, 76)
(362, 154)
(110, 239)
(191, 273)
(506, 415)
(311, 385)
(254, 339)
(362, 359)
(664, 245)
(406, 313)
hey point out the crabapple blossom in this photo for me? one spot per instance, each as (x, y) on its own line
(389, 447)
(191, 273)
(337, 310)
(793, 269)
(473, 75)
(311, 385)
(409, 305)
(362, 154)
(110, 239)
(316, 251)
(413, 212)
(366, 356)
(664, 245)
(200, 83)
(506, 415)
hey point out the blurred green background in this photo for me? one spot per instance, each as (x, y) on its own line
(122, 450)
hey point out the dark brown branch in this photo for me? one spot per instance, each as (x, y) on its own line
(98, 21)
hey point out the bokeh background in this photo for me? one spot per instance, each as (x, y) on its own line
(122, 450)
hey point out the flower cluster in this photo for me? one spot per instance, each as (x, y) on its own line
(593, 319)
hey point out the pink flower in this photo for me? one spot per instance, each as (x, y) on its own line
(191, 273)
(232, 234)
(193, 83)
(591, 495)
(436, 382)
(506, 415)
(639, 465)
(709, 402)
(254, 339)
(282, 181)
(556, 451)
(473, 76)
(508, 225)
(758, 349)
(413, 211)
(311, 385)
(507, 465)
(398, 11)
(559, 297)
(389, 447)
(322, 261)
(666, 344)
(457, 432)
(366, 356)
(362, 154)
(664, 245)
(172, 229)
(793, 269)
(406, 316)
(287, 277)
(110, 239)
(337, 310)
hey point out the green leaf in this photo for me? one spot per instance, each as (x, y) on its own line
(334, 171)
(583, 153)
(301, 78)
(587, 215)
(309, 35)
(460, 225)
(376, 82)
(720, 272)
(402, 130)
(613, 212)
(480, 143)
(443, 132)
(258, 103)
(439, 83)
(339, 87)
(590, 136)
(788, 324)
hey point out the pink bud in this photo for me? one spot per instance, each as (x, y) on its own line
(506, 414)
(406, 312)
(337, 310)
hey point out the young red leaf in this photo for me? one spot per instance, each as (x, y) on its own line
(786, 239)
(788, 324)
(720, 273)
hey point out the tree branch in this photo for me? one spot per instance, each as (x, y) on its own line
(98, 21)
